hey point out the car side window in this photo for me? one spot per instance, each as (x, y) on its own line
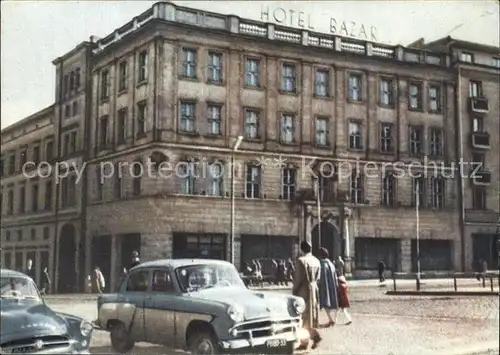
(138, 282)
(162, 282)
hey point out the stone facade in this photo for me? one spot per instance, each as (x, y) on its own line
(140, 85)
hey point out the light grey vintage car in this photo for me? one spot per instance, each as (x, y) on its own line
(201, 306)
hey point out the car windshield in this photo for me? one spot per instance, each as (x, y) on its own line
(195, 277)
(18, 287)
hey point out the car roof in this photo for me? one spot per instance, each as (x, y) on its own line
(12, 273)
(175, 263)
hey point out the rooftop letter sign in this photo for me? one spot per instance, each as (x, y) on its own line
(300, 19)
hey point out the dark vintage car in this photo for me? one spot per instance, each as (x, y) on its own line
(201, 306)
(28, 325)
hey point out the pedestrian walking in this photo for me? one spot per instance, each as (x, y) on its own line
(290, 270)
(328, 287)
(98, 282)
(45, 281)
(30, 270)
(305, 285)
(281, 273)
(381, 271)
(344, 302)
(339, 266)
(484, 270)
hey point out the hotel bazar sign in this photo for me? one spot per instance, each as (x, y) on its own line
(299, 19)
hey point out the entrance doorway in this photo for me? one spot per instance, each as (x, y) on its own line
(67, 282)
(485, 249)
(129, 243)
(329, 239)
(101, 255)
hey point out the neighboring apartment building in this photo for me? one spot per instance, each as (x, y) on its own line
(478, 71)
(177, 85)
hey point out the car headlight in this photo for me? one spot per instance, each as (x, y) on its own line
(236, 314)
(86, 328)
(299, 306)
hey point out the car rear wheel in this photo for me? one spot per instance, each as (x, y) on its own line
(120, 338)
(202, 344)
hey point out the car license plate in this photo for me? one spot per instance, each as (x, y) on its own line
(276, 343)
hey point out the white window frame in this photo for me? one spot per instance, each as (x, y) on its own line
(187, 119)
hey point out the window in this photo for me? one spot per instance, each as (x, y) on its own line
(289, 183)
(103, 131)
(46, 233)
(252, 72)
(188, 112)
(77, 78)
(322, 83)
(214, 119)
(11, 166)
(188, 178)
(49, 151)
(104, 84)
(75, 108)
(325, 187)
(477, 125)
(48, 195)
(34, 197)
(162, 282)
(122, 125)
(322, 131)
(416, 138)
(23, 158)
(118, 191)
(251, 124)
(386, 141)
(10, 202)
(33, 233)
(479, 197)
(415, 96)
(436, 142)
(386, 95)
(143, 66)
(66, 85)
(68, 191)
(67, 111)
(388, 190)
(216, 181)
(189, 63)
(357, 190)
(253, 180)
(437, 192)
(66, 144)
(434, 98)
(72, 140)
(122, 76)
(98, 183)
(288, 77)
(287, 129)
(22, 199)
(475, 88)
(7, 236)
(141, 117)
(496, 62)
(355, 135)
(418, 189)
(477, 161)
(71, 81)
(138, 282)
(466, 57)
(215, 67)
(136, 178)
(355, 93)
(19, 235)
(36, 154)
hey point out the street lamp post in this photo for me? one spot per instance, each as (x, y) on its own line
(235, 149)
(417, 212)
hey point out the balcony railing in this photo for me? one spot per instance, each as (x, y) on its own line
(481, 177)
(479, 104)
(480, 140)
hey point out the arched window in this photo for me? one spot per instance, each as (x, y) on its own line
(137, 172)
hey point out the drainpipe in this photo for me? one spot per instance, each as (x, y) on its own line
(458, 98)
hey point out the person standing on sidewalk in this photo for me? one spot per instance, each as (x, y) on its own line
(98, 282)
(328, 287)
(45, 281)
(305, 285)
(339, 266)
(381, 271)
(344, 302)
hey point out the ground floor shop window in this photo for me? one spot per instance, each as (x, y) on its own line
(485, 248)
(266, 248)
(369, 251)
(434, 255)
(199, 245)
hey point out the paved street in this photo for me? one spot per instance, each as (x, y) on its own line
(381, 325)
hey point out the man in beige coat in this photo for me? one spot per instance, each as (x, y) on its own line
(305, 285)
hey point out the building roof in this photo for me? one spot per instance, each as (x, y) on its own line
(450, 42)
(175, 263)
(27, 120)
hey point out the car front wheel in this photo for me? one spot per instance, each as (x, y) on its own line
(120, 338)
(202, 343)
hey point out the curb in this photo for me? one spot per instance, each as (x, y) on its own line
(441, 293)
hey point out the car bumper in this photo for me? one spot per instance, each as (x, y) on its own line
(296, 337)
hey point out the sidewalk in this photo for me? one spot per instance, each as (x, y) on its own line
(401, 285)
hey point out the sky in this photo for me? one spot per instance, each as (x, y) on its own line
(33, 33)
